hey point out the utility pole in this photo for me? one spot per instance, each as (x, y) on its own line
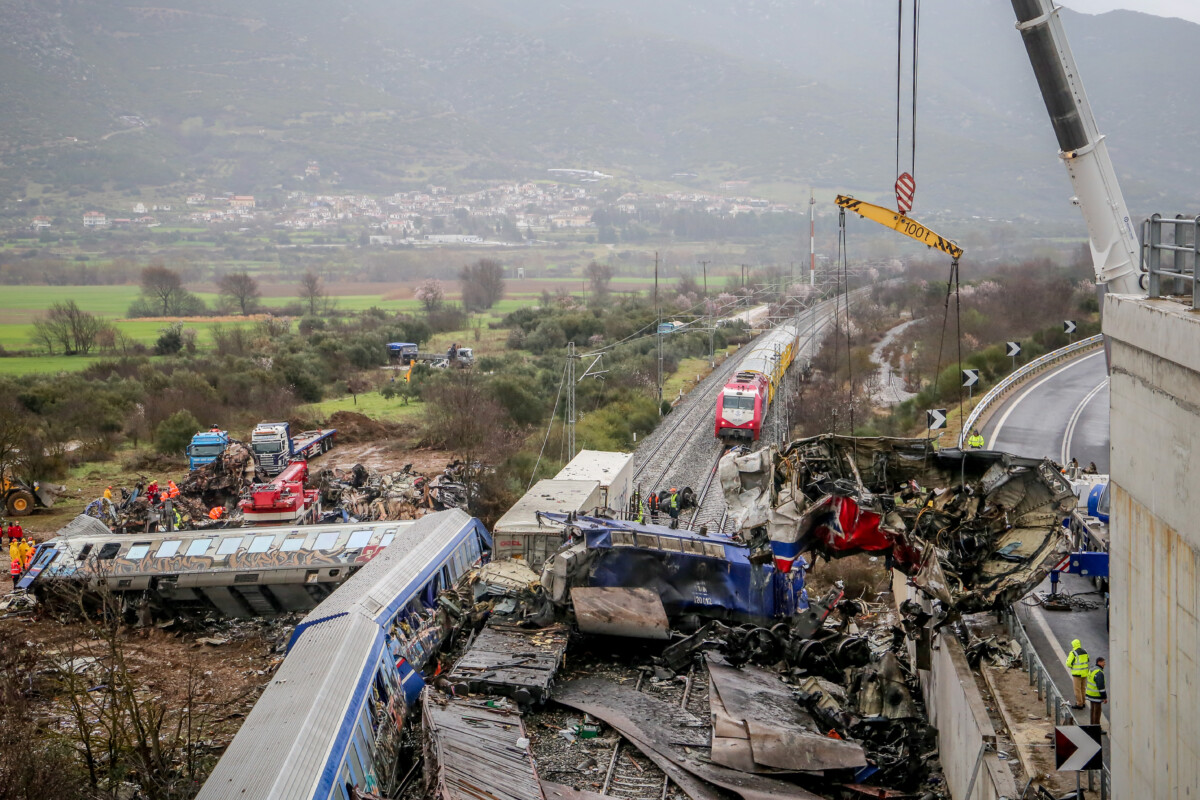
(658, 332)
(570, 400)
(704, 267)
(812, 241)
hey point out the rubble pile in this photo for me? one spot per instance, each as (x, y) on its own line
(822, 705)
(973, 530)
(372, 495)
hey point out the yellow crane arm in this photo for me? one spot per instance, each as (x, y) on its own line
(900, 223)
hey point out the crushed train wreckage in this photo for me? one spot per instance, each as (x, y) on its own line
(972, 530)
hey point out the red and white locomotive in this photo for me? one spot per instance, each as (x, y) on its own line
(742, 404)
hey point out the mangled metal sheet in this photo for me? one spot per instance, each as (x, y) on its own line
(556, 791)
(671, 738)
(612, 611)
(753, 706)
(472, 752)
(514, 662)
(974, 530)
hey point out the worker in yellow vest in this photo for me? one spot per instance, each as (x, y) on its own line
(1077, 665)
(976, 441)
(1097, 690)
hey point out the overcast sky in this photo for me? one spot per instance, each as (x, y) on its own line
(1187, 9)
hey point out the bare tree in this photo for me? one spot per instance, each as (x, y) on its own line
(162, 286)
(462, 415)
(312, 292)
(14, 428)
(482, 284)
(69, 326)
(599, 276)
(241, 289)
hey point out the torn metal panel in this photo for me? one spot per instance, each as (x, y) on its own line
(515, 662)
(474, 752)
(974, 530)
(613, 611)
(665, 732)
(781, 734)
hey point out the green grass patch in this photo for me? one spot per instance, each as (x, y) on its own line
(371, 404)
(45, 364)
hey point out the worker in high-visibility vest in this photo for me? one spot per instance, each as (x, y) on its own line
(1077, 665)
(976, 441)
(15, 571)
(1097, 690)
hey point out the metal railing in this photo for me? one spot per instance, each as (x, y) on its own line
(1056, 704)
(1037, 365)
(1183, 244)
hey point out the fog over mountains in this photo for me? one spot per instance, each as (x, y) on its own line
(394, 94)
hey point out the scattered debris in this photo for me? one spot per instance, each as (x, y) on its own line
(474, 751)
(515, 662)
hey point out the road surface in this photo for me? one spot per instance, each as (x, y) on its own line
(1058, 414)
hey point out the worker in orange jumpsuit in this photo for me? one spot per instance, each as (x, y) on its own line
(15, 571)
(172, 490)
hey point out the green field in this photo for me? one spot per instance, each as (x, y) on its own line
(372, 404)
(26, 366)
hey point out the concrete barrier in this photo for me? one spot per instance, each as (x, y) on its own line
(966, 737)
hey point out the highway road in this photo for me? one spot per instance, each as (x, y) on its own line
(1057, 414)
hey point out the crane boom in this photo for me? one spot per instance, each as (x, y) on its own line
(899, 223)
(1114, 242)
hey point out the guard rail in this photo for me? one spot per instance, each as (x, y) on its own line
(1056, 705)
(1037, 365)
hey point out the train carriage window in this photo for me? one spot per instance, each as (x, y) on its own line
(693, 547)
(358, 540)
(229, 545)
(387, 539)
(261, 544)
(198, 547)
(648, 540)
(108, 551)
(325, 541)
(714, 550)
(138, 550)
(168, 549)
(622, 539)
(291, 545)
(671, 544)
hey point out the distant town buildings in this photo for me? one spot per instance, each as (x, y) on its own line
(95, 219)
(40, 223)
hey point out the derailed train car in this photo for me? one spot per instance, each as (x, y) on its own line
(709, 576)
(236, 571)
(329, 721)
(974, 530)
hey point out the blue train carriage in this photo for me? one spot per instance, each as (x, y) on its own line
(331, 717)
(711, 576)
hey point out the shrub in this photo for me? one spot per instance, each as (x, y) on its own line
(175, 432)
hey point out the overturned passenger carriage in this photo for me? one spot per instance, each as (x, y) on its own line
(238, 572)
(329, 722)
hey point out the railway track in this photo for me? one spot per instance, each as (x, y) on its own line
(710, 511)
(632, 775)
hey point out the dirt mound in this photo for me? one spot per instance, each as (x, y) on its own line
(353, 427)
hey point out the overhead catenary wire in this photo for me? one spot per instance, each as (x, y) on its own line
(549, 427)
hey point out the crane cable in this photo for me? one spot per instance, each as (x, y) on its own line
(916, 31)
(951, 288)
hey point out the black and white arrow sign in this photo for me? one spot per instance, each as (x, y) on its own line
(935, 418)
(1077, 747)
(970, 377)
(1014, 349)
(1069, 326)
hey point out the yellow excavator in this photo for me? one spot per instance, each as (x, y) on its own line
(21, 498)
